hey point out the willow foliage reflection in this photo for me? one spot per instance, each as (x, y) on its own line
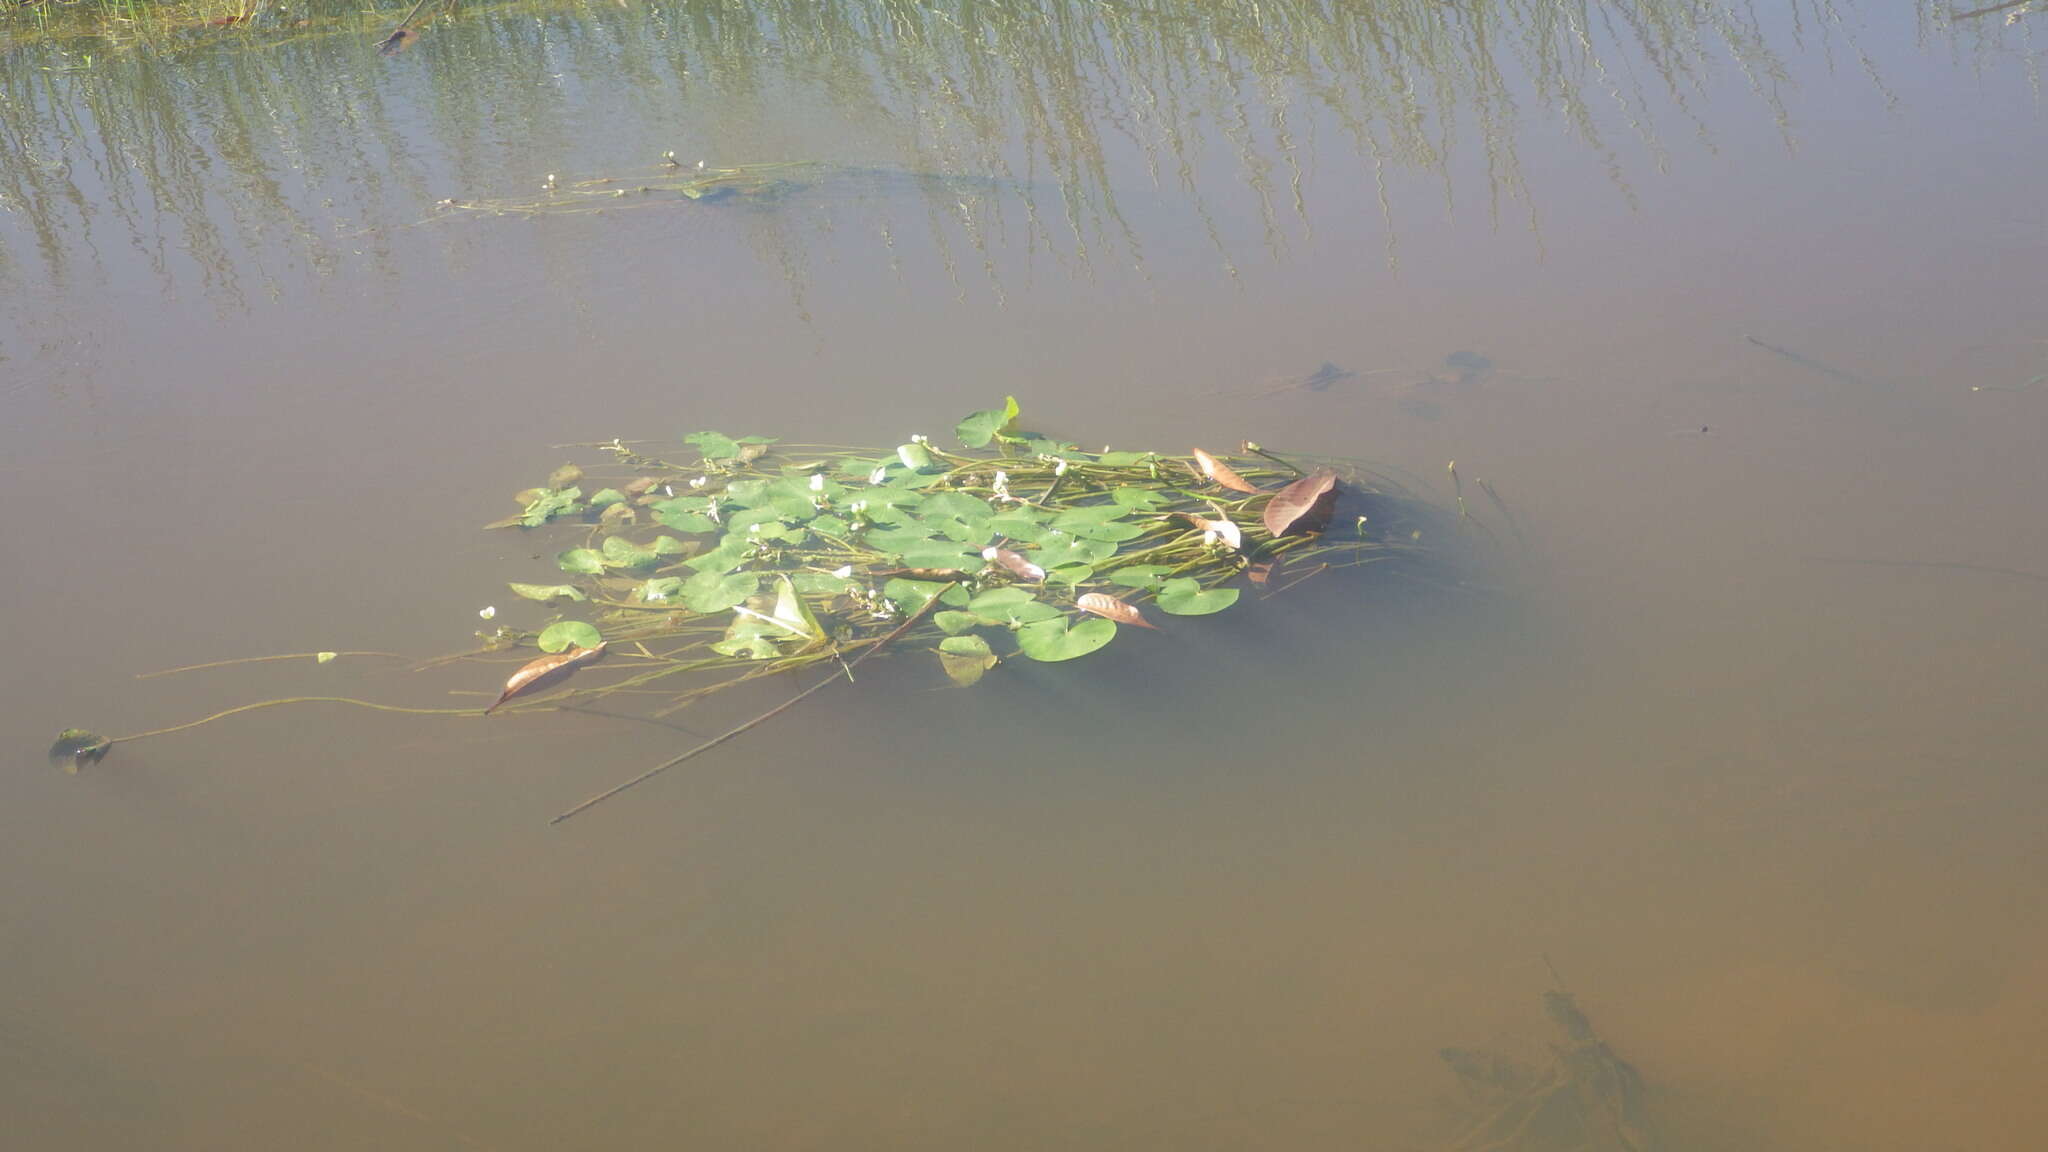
(261, 149)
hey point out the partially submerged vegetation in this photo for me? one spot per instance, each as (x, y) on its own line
(673, 180)
(745, 557)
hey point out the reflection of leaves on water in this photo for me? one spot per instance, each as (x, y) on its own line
(1587, 1099)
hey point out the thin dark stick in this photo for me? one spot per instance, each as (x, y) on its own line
(721, 738)
(1987, 11)
(1809, 362)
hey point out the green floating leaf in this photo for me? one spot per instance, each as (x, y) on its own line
(582, 561)
(715, 591)
(1113, 532)
(941, 556)
(821, 583)
(784, 497)
(563, 635)
(1187, 597)
(911, 595)
(889, 504)
(915, 457)
(981, 427)
(1010, 607)
(1138, 575)
(1059, 549)
(713, 445)
(76, 747)
(792, 612)
(953, 623)
(751, 637)
(677, 515)
(1055, 640)
(965, 658)
(660, 588)
(1071, 574)
(620, 552)
(1020, 524)
(606, 497)
(1137, 499)
(549, 505)
(958, 505)
(1124, 459)
(545, 592)
(724, 558)
(324, 657)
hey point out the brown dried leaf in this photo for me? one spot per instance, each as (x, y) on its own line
(545, 672)
(749, 453)
(1015, 563)
(1260, 573)
(1222, 473)
(1111, 608)
(640, 486)
(1303, 506)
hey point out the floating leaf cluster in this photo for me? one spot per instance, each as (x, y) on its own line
(752, 556)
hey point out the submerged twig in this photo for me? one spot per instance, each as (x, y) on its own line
(715, 741)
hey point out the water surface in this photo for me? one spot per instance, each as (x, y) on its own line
(1736, 725)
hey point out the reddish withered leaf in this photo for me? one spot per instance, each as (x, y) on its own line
(1303, 506)
(1111, 608)
(1260, 573)
(1222, 473)
(1017, 565)
(545, 672)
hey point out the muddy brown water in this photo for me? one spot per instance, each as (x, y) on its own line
(1745, 737)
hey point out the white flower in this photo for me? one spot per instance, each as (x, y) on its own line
(654, 595)
(1060, 469)
(1002, 485)
(843, 571)
(700, 481)
(917, 439)
(487, 611)
(817, 481)
(880, 474)
(711, 510)
(858, 508)
(668, 489)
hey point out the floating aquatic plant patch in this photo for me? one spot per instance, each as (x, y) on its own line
(676, 574)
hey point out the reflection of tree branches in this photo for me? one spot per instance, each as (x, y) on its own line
(223, 144)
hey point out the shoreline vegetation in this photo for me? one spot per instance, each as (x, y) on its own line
(229, 120)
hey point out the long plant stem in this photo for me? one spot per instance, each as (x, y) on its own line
(763, 718)
(262, 659)
(293, 700)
